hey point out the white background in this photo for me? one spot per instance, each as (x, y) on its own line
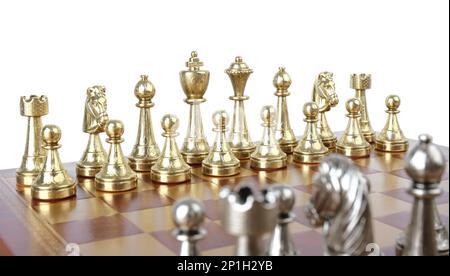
(59, 48)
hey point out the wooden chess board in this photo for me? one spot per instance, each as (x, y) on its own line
(139, 222)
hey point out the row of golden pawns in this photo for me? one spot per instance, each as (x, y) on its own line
(42, 169)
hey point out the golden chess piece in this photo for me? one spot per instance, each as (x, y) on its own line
(194, 82)
(283, 131)
(353, 143)
(268, 154)
(324, 95)
(170, 167)
(53, 182)
(145, 151)
(116, 175)
(33, 107)
(361, 82)
(391, 138)
(94, 122)
(239, 138)
(220, 160)
(310, 148)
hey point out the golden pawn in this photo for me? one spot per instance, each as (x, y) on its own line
(170, 167)
(94, 122)
(53, 182)
(194, 82)
(283, 131)
(33, 107)
(310, 148)
(353, 143)
(361, 82)
(116, 175)
(220, 160)
(268, 154)
(145, 151)
(391, 138)
(239, 138)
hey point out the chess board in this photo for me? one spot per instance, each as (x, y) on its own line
(139, 222)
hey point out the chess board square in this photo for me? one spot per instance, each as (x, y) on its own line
(403, 194)
(401, 220)
(382, 205)
(222, 251)
(309, 243)
(149, 220)
(216, 237)
(402, 173)
(134, 245)
(384, 234)
(4, 250)
(301, 198)
(101, 228)
(305, 188)
(72, 209)
(443, 209)
(132, 201)
(388, 251)
(200, 191)
(300, 216)
(382, 182)
(384, 163)
(212, 209)
(297, 175)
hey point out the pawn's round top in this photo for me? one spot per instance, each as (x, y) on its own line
(169, 123)
(220, 119)
(268, 114)
(353, 106)
(188, 215)
(425, 163)
(144, 89)
(51, 134)
(238, 67)
(282, 80)
(285, 196)
(392, 102)
(114, 129)
(310, 110)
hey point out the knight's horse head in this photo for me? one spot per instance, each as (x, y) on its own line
(95, 110)
(325, 88)
(339, 202)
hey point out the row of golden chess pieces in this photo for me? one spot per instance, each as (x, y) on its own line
(42, 170)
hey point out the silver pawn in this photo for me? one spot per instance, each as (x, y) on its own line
(281, 243)
(188, 216)
(249, 214)
(425, 235)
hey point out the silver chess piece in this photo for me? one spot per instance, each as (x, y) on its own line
(249, 214)
(425, 235)
(188, 216)
(281, 243)
(340, 203)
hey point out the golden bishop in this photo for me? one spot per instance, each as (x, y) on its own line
(220, 160)
(391, 138)
(353, 143)
(170, 167)
(268, 154)
(116, 175)
(310, 148)
(53, 182)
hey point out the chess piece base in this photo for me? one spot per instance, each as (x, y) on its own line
(220, 171)
(391, 146)
(165, 177)
(140, 165)
(330, 143)
(268, 164)
(87, 171)
(353, 152)
(370, 137)
(53, 194)
(288, 148)
(194, 159)
(25, 179)
(399, 246)
(114, 185)
(309, 158)
(243, 153)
